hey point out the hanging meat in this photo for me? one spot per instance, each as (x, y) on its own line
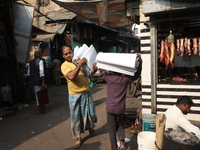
(178, 46)
(171, 59)
(164, 55)
(186, 46)
(162, 59)
(181, 47)
(189, 52)
(195, 50)
(199, 45)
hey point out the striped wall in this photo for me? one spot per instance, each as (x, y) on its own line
(167, 95)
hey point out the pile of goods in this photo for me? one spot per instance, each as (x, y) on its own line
(179, 79)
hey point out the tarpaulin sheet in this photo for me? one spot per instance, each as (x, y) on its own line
(23, 17)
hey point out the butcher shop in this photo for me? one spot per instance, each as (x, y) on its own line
(178, 42)
(171, 46)
(179, 52)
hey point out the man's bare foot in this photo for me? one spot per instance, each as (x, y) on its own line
(78, 143)
(122, 145)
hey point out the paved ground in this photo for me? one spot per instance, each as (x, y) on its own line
(24, 130)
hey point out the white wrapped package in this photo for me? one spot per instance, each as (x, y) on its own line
(90, 54)
(124, 63)
(80, 52)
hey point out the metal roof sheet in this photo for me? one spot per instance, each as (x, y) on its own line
(61, 16)
(44, 38)
(110, 15)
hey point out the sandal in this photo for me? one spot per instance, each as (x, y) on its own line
(77, 144)
(92, 132)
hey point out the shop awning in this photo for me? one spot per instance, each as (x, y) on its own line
(44, 38)
(36, 31)
(51, 27)
(61, 16)
(111, 14)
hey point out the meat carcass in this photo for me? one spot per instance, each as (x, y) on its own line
(185, 46)
(189, 52)
(195, 50)
(164, 55)
(162, 59)
(171, 59)
(181, 47)
(177, 46)
(199, 45)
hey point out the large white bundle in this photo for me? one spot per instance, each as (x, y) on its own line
(124, 63)
(80, 51)
(89, 53)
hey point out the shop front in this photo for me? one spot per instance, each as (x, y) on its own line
(175, 69)
(178, 62)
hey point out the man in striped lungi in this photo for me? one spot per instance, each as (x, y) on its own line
(82, 108)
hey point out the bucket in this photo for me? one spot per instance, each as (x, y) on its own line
(146, 140)
(148, 122)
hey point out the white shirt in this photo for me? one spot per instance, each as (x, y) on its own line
(176, 119)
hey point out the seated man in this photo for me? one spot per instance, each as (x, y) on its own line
(176, 119)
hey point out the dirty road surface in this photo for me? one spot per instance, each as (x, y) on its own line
(24, 130)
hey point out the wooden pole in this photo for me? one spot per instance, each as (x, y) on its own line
(153, 31)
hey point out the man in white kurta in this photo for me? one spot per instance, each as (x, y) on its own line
(176, 116)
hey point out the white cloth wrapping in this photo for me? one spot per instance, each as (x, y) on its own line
(90, 54)
(124, 63)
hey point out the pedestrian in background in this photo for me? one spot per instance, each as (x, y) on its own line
(36, 77)
(56, 69)
(82, 108)
(115, 105)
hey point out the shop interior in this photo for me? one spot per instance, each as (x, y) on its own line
(179, 59)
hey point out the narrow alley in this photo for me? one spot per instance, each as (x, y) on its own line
(51, 131)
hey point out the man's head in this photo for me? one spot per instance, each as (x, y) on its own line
(67, 53)
(184, 103)
(37, 54)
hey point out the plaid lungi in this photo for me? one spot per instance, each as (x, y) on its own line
(82, 113)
